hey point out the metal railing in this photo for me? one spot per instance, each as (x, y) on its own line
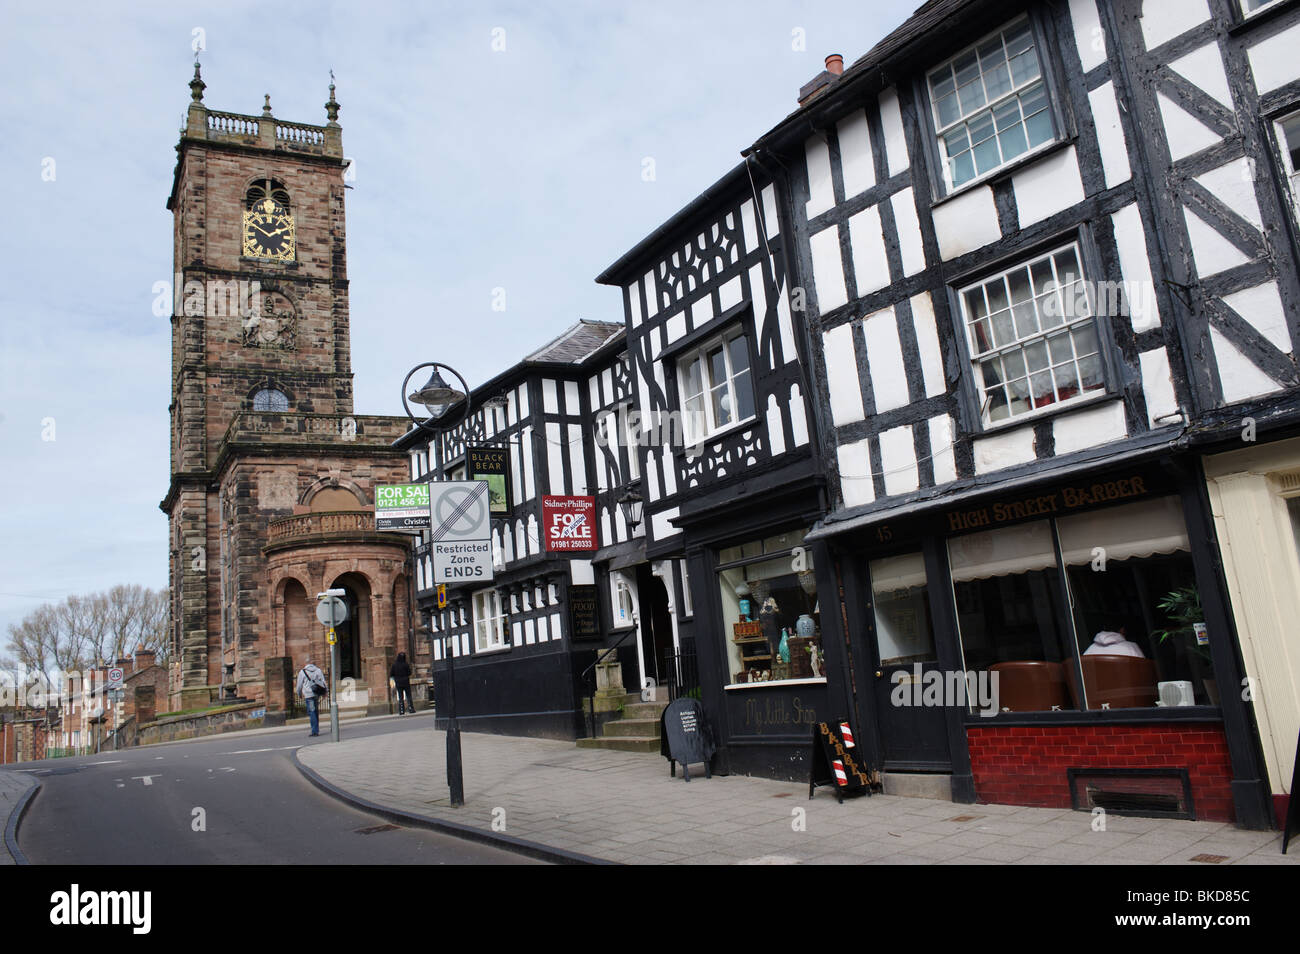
(682, 669)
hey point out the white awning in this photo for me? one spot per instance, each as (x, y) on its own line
(1002, 552)
(1140, 529)
(895, 573)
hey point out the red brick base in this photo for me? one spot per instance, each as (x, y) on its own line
(1026, 765)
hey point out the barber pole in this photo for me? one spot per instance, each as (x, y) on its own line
(840, 777)
(847, 734)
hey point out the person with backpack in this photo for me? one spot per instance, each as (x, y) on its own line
(311, 686)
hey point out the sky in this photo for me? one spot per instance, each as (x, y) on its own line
(495, 146)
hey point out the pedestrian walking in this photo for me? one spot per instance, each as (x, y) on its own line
(312, 687)
(401, 676)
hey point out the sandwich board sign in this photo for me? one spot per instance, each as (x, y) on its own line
(460, 537)
(402, 508)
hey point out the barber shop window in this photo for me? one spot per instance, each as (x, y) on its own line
(1125, 631)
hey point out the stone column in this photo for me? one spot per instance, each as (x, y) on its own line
(376, 662)
(279, 676)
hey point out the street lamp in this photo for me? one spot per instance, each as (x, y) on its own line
(631, 504)
(438, 396)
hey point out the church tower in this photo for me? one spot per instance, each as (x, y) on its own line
(262, 419)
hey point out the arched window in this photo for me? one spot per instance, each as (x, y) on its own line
(269, 399)
(267, 188)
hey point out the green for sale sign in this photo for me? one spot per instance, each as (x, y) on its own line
(402, 508)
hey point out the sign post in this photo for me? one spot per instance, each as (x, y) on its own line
(332, 611)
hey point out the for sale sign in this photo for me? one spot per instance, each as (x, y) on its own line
(402, 507)
(569, 523)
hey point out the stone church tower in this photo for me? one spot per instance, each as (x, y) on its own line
(271, 497)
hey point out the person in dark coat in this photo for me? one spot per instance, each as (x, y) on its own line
(401, 676)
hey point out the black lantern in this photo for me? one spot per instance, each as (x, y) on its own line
(631, 504)
(436, 393)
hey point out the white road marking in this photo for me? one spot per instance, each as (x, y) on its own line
(253, 751)
(108, 762)
(147, 779)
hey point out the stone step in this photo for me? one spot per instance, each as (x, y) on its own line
(644, 710)
(638, 728)
(622, 744)
(918, 785)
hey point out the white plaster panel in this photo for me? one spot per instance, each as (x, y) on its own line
(1089, 428)
(775, 430)
(842, 379)
(898, 459)
(966, 222)
(1004, 450)
(676, 327)
(1157, 386)
(554, 462)
(856, 486)
(821, 194)
(1203, 68)
(526, 451)
(747, 225)
(870, 267)
(1130, 241)
(1047, 186)
(1212, 252)
(1240, 377)
(1274, 61)
(1110, 134)
(634, 303)
(828, 270)
(798, 419)
(1187, 135)
(702, 310)
(581, 572)
(521, 396)
(1234, 184)
(758, 298)
(1261, 307)
(1162, 20)
(784, 322)
(769, 211)
(891, 120)
(661, 523)
(731, 294)
(571, 398)
(885, 359)
(1088, 35)
(909, 231)
(554, 621)
(577, 459)
(857, 166)
(942, 458)
(927, 343)
(651, 299)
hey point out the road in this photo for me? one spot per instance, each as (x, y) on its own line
(233, 799)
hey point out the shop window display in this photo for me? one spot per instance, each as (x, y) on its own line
(1126, 630)
(770, 610)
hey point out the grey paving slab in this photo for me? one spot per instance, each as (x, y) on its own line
(624, 807)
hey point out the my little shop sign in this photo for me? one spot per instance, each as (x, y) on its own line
(1062, 500)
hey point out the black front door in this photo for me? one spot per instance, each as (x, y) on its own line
(656, 622)
(911, 691)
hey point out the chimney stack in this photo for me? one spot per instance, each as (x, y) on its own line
(823, 80)
(835, 64)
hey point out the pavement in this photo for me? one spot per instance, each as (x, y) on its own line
(569, 804)
(16, 790)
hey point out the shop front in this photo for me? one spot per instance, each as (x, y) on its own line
(768, 673)
(1062, 644)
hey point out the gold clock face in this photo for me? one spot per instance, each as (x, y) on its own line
(268, 232)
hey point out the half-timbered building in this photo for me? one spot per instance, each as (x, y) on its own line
(517, 657)
(728, 467)
(1049, 262)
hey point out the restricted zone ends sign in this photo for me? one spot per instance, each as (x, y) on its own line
(460, 537)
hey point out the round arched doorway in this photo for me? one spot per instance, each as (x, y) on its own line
(357, 634)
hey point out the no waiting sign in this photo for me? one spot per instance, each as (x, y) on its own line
(460, 533)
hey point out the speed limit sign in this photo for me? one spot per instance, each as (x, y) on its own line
(115, 675)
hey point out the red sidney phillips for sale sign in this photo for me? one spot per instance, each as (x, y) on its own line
(569, 523)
